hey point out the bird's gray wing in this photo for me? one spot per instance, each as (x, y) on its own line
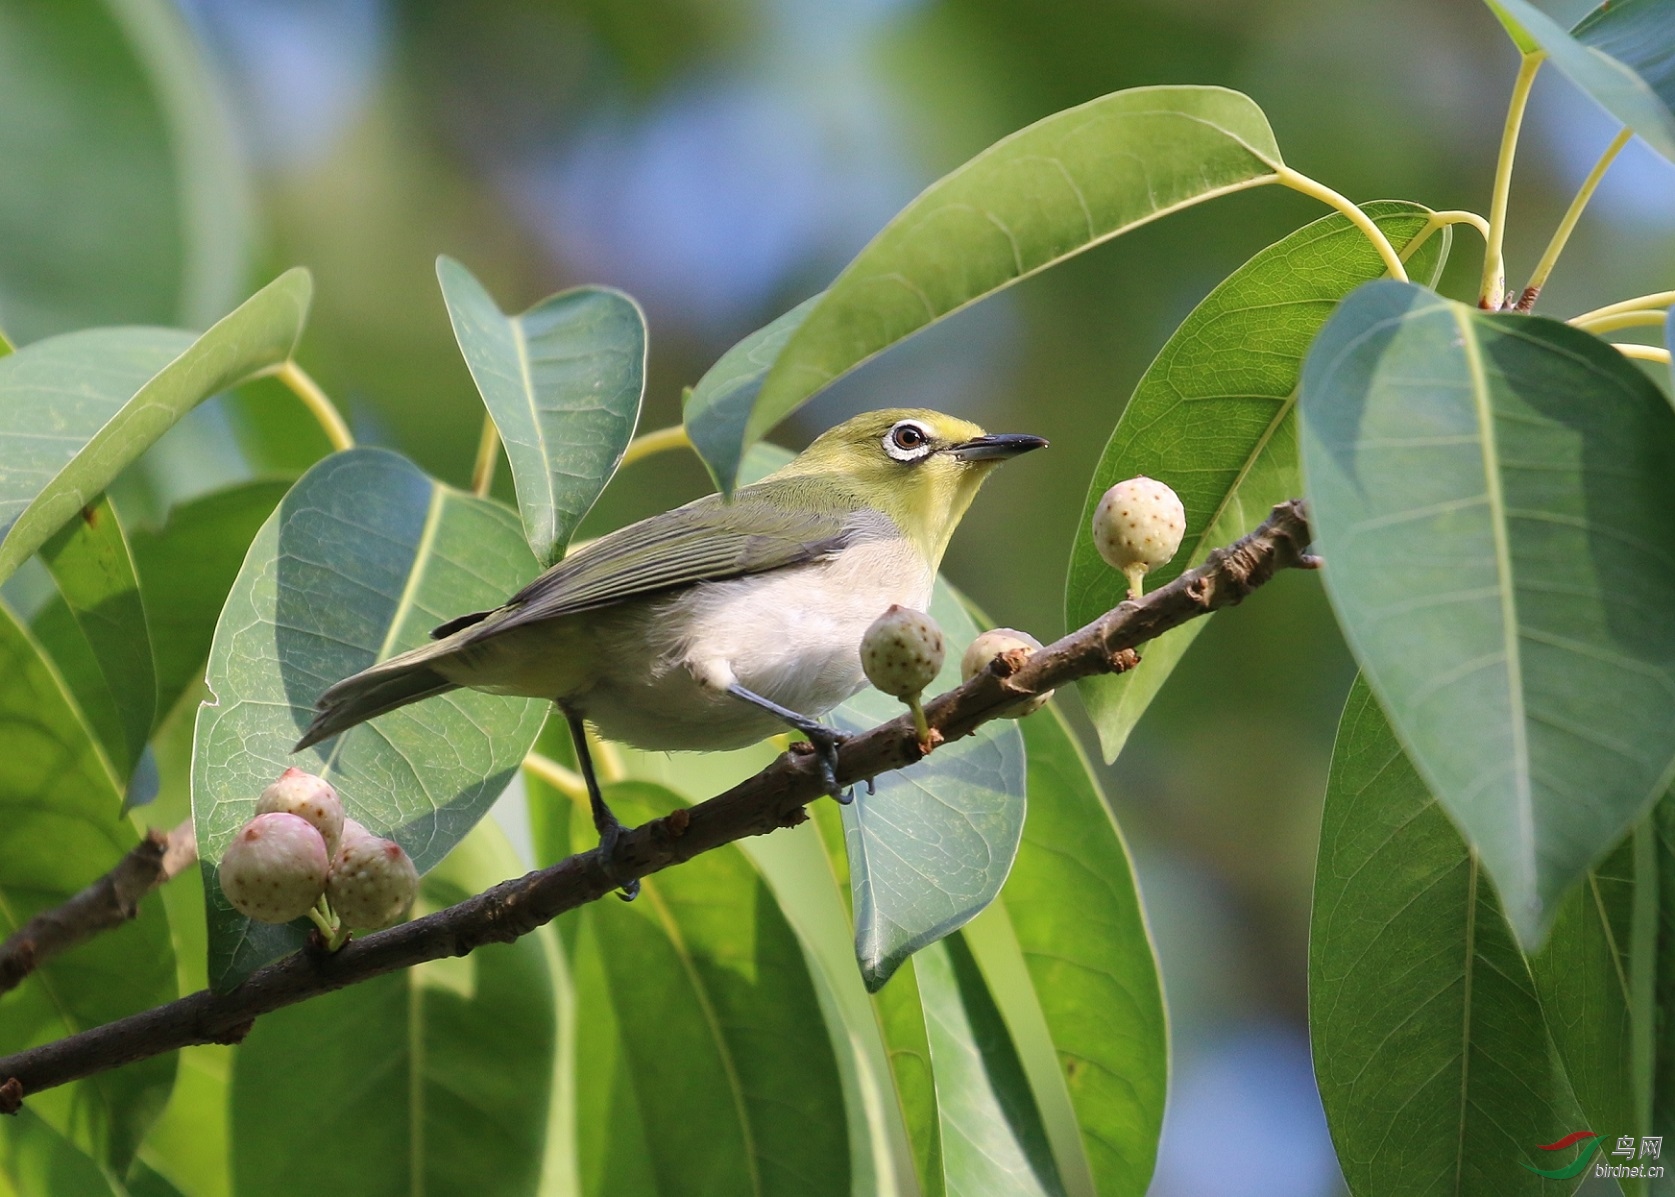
(704, 541)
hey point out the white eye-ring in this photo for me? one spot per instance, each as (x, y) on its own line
(908, 440)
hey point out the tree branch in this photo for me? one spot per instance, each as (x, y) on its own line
(109, 902)
(771, 799)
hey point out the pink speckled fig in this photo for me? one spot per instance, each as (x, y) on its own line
(372, 882)
(308, 797)
(275, 868)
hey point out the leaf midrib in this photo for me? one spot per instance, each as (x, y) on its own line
(1464, 321)
(526, 374)
(735, 1086)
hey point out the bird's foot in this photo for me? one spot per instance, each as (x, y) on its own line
(825, 742)
(611, 831)
(822, 740)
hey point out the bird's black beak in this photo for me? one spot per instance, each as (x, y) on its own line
(997, 447)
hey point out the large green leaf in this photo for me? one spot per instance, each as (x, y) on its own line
(1582, 978)
(94, 570)
(124, 198)
(1092, 980)
(186, 569)
(721, 1041)
(1622, 54)
(615, 1149)
(795, 865)
(1492, 494)
(432, 1080)
(1663, 1053)
(188, 1143)
(804, 881)
(563, 382)
(37, 1161)
(62, 642)
(963, 1096)
(1639, 34)
(991, 1134)
(60, 830)
(931, 845)
(361, 559)
(75, 409)
(900, 1014)
(1054, 189)
(1213, 417)
(716, 411)
(1430, 1047)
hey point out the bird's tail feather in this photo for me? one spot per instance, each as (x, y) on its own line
(371, 693)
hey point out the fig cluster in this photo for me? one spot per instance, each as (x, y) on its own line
(902, 652)
(301, 856)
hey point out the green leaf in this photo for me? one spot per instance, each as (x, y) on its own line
(1093, 978)
(964, 1102)
(992, 1138)
(794, 863)
(1047, 192)
(187, 1146)
(1641, 35)
(94, 570)
(125, 198)
(62, 642)
(186, 569)
(145, 1181)
(37, 1161)
(108, 394)
(615, 1152)
(901, 1020)
(432, 1080)
(60, 831)
(716, 411)
(1491, 494)
(1619, 54)
(1430, 1048)
(720, 1031)
(1215, 420)
(361, 559)
(188, 1143)
(563, 382)
(933, 844)
(1663, 1088)
(1582, 978)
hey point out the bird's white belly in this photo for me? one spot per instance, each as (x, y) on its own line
(792, 636)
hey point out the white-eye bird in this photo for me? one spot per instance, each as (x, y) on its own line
(714, 625)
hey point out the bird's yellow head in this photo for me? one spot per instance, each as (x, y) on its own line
(920, 467)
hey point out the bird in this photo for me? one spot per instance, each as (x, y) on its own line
(719, 623)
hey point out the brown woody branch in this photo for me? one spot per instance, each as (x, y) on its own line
(109, 902)
(771, 799)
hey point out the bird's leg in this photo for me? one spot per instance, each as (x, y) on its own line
(608, 826)
(825, 740)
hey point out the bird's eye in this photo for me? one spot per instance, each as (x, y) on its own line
(908, 436)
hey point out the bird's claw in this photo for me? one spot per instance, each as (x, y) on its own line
(825, 742)
(610, 842)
